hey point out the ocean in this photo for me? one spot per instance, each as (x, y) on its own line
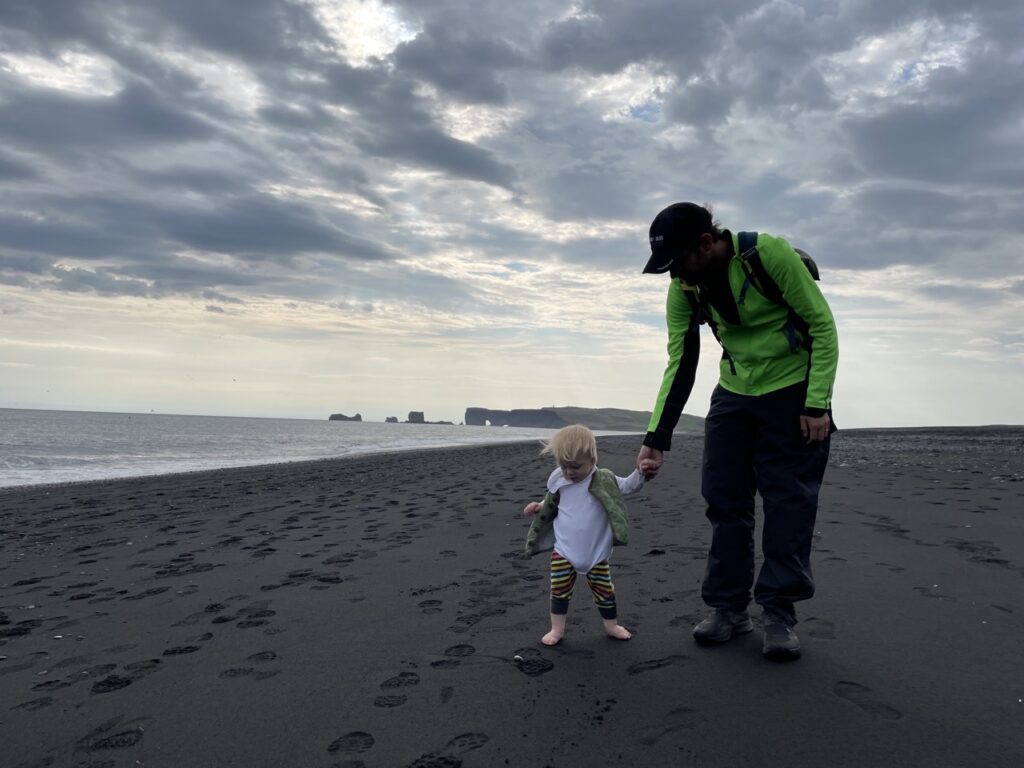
(42, 447)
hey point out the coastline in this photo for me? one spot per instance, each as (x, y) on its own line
(367, 611)
(87, 453)
(268, 466)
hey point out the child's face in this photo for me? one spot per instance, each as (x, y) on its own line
(576, 469)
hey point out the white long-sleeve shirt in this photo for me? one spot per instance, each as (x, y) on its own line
(583, 535)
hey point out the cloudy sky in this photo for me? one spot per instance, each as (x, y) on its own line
(299, 207)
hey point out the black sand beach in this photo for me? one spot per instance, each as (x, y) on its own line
(367, 612)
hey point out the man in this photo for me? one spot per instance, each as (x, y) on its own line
(769, 424)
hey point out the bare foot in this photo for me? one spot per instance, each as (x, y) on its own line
(613, 629)
(554, 637)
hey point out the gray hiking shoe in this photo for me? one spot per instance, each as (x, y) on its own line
(721, 625)
(780, 641)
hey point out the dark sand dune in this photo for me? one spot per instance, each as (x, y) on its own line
(370, 612)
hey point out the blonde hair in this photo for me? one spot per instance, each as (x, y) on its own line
(571, 443)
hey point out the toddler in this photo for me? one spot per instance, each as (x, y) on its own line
(582, 516)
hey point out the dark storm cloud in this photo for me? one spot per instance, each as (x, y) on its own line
(397, 124)
(56, 237)
(102, 282)
(13, 169)
(136, 115)
(252, 30)
(465, 66)
(934, 142)
(704, 104)
(40, 26)
(248, 226)
(264, 226)
(591, 189)
(431, 148)
(917, 207)
(607, 35)
(191, 178)
(26, 263)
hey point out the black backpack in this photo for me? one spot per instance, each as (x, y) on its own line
(758, 276)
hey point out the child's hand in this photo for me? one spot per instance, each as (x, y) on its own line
(531, 509)
(645, 469)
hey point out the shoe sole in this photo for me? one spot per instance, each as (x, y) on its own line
(737, 629)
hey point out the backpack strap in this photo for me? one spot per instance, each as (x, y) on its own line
(750, 260)
(756, 274)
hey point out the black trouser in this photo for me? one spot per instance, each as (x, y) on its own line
(755, 444)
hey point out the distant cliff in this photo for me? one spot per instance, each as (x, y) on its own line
(545, 418)
(601, 419)
(343, 417)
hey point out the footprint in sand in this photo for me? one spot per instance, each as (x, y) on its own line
(445, 663)
(354, 743)
(112, 683)
(448, 755)
(401, 680)
(129, 735)
(431, 606)
(262, 656)
(139, 669)
(863, 697)
(181, 650)
(821, 629)
(647, 666)
(237, 672)
(681, 719)
(34, 704)
(530, 662)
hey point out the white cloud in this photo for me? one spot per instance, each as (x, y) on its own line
(362, 29)
(898, 64)
(77, 73)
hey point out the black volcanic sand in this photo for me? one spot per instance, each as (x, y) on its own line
(368, 612)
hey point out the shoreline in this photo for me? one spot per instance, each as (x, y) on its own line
(261, 464)
(857, 433)
(360, 611)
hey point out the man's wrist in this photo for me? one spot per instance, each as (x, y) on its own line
(658, 440)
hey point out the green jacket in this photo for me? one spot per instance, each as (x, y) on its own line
(758, 357)
(605, 489)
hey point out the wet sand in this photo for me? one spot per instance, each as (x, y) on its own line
(368, 612)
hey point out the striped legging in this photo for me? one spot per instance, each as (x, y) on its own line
(563, 580)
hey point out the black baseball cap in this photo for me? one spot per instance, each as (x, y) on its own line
(675, 228)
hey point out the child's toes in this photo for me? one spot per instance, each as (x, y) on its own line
(619, 633)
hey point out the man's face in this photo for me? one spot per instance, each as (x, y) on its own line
(693, 265)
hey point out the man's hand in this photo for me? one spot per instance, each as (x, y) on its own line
(648, 461)
(532, 508)
(815, 428)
